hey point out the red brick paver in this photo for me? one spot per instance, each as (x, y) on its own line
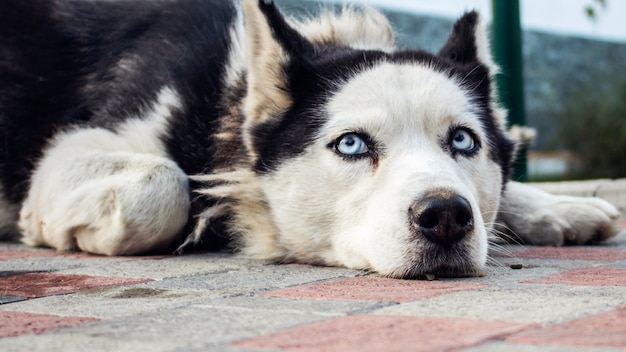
(384, 333)
(602, 330)
(44, 284)
(374, 289)
(586, 277)
(18, 323)
(6, 255)
(572, 253)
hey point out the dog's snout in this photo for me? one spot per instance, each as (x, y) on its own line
(442, 217)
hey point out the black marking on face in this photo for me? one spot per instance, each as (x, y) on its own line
(476, 81)
(312, 82)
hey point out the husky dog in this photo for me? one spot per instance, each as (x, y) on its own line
(133, 127)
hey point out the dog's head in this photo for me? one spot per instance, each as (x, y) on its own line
(366, 156)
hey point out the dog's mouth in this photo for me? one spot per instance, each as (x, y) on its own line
(447, 272)
(434, 261)
(443, 272)
(442, 224)
(438, 273)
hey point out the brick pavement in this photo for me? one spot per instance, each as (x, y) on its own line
(561, 299)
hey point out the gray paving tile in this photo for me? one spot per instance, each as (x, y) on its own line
(542, 304)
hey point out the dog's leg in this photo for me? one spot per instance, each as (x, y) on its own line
(533, 216)
(93, 192)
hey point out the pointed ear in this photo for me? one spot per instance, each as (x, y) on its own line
(272, 45)
(469, 42)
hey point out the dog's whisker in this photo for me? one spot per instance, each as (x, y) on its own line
(221, 191)
(509, 235)
(224, 177)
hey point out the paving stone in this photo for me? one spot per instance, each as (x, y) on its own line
(108, 302)
(531, 304)
(154, 267)
(45, 284)
(192, 327)
(174, 266)
(213, 301)
(502, 274)
(373, 289)
(46, 260)
(256, 279)
(572, 253)
(40, 264)
(6, 299)
(120, 302)
(307, 307)
(602, 330)
(586, 277)
(514, 347)
(9, 273)
(383, 333)
(19, 323)
(7, 254)
(618, 265)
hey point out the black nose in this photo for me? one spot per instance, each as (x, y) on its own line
(442, 217)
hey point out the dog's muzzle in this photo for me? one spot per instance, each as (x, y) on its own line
(443, 217)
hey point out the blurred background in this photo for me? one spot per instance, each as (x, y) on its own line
(574, 74)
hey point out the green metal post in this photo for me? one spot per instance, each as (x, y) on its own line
(507, 45)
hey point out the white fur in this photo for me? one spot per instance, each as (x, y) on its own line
(329, 210)
(531, 215)
(237, 56)
(367, 29)
(483, 47)
(108, 192)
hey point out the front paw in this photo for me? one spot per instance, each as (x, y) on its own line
(533, 216)
(139, 206)
(573, 220)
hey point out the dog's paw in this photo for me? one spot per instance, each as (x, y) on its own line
(539, 218)
(136, 206)
(572, 220)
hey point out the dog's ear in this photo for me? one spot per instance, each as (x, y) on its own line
(469, 43)
(272, 48)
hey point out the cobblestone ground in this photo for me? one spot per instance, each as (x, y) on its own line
(533, 298)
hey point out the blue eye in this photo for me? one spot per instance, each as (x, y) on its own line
(463, 141)
(352, 145)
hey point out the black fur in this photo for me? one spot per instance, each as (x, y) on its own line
(59, 66)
